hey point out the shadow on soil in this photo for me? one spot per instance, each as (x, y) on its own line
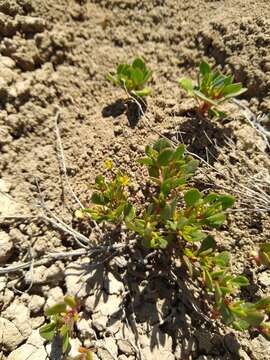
(130, 108)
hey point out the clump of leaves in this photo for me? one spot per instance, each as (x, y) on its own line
(132, 77)
(62, 319)
(212, 89)
(182, 217)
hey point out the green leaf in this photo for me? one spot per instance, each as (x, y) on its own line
(186, 84)
(204, 68)
(254, 318)
(164, 157)
(154, 171)
(216, 220)
(208, 280)
(56, 309)
(165, 213)
(192, 234)
(129, 212)
(227, 201)
(241, 325)
(201, 96)
(240, 281)
(191, 197)
(263, 303)
(98, 199)
(70, 301)
(218, 295)
(145, 161)
(162, 144)
(265, 247)
(48, 331)
(142, 93)
(139, 63)
(179, 152)
(66, 344)
(208, 243)
(222, 259)
(233, 89)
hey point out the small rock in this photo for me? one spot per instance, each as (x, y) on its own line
(6, 246)
(10, 336)
(30, 24)
(99, 321)
(125, 347)
(264, 278)
(7, 62)
(19, 314)
(85, 329)
(37, 321)
(261, 346)
(107, 349)
(33, 349)
(36, 304)
(243, 355)
(55, 295)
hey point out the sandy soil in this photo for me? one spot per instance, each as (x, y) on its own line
(54, 56)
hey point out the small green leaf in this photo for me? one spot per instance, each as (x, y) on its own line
(98, 199)
(164, 157)
(227, 201)
(186, 84)
(240, 281)
(191, 197)
(66, 343)
(204, 68)
(254, 318)
(142, 93)
(208, 243)
(222, 259)
(208, 280)
(70, 301)
(233, 89)
(201, 96)
(48, 331)
(179, 152)
(192, 234)
(89, 355)
(154, 171)
(162, 144)
(56, 309)
(216, 220)
(265, 247)
(139, 63)
(129, 212)
(263, 303)
(145, 161)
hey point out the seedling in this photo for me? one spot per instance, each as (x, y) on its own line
(62, 319)
(182, 217)
(212, 89)
(132, 77)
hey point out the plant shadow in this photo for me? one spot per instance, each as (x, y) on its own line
(134, 110)
(203, 136)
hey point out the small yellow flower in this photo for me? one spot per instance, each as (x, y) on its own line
(124, 180)
(108, 164)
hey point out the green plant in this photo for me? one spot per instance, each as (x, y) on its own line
(62, 319)
(132, 77)
(181, 217)
(212, 89)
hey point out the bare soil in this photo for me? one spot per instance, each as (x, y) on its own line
(54, 56)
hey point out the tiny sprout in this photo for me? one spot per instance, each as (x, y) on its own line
(132, 77)
(212, 89)
(62, 319)
(108, 164)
